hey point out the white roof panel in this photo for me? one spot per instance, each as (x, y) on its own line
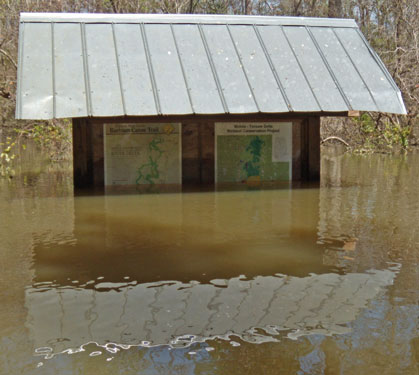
(108, 65)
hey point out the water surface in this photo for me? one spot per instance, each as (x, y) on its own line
(307, 280)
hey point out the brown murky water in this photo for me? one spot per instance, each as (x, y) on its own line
(306, 280)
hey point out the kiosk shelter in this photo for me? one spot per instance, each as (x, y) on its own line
(176, 99)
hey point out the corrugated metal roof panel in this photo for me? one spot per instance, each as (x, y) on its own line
(234, 85)
(170, 82)
(260, 75)
(197, 69)
(135, 76)
(318, 75)
(290, 72)
(36, 86)
(345, 71)
(76, 65)
(105, 91)
(70, 89)
(376, 77)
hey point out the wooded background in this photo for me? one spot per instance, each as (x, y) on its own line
(391, 27)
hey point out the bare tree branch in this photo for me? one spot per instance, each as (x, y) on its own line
(332, 137)
(3, 52)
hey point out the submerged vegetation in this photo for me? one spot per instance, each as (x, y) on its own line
(391, 27)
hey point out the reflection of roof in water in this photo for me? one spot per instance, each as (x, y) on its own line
(175, 312)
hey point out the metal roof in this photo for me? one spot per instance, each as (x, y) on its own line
(105, 65)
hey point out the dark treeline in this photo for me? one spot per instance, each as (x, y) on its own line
(391, 27)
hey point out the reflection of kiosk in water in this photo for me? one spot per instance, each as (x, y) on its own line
(173, 313)
(174, 99)
(185, 237)
(131, 271)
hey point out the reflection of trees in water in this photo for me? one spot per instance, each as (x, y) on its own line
(372, 205)
(36, 204)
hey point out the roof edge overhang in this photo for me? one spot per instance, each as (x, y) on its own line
(185, 18)
(218, 117)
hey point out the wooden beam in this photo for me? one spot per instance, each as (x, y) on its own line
(251, 117)
(98, 159)
(81, 146)
(190, 154)
(88, 158)
(207, 153)
(314, 148)
(353, 113)
(296, 150)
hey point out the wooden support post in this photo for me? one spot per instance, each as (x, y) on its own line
(207, 153)
(296, 151)
(198, 153)
(88, 159)
(313, 148)
(98, 159)
(190, 154)
(306, 150)
(82, 168)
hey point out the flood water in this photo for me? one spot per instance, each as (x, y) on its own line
(307, 280)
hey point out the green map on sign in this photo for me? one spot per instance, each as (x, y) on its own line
(143, 158)
(243, 157)
(149, 172)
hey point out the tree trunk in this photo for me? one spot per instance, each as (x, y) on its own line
(335, 9)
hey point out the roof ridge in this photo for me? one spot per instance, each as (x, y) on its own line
(186, 18)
